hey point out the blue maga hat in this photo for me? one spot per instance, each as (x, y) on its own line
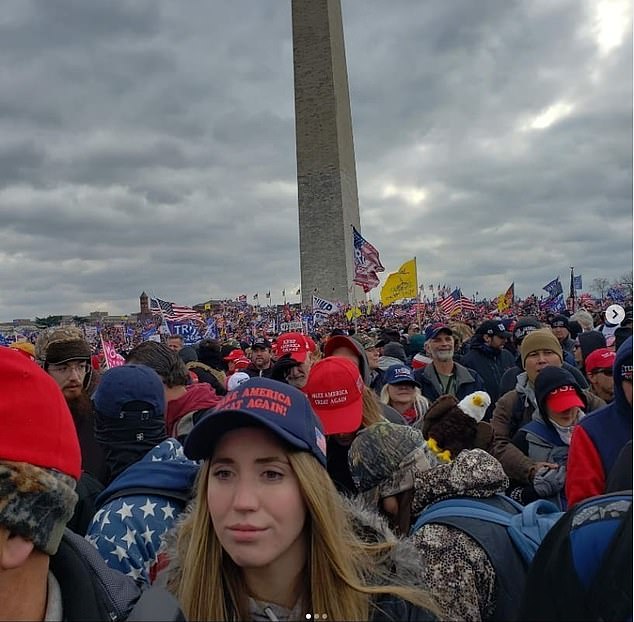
(129, 383)
(281, 408)
(399, 374)
(434, 329)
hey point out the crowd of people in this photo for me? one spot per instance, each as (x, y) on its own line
(392, 466)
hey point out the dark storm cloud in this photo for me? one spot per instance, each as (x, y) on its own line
(149, 145)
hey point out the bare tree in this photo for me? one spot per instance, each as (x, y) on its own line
(625, 281)
(600, 286)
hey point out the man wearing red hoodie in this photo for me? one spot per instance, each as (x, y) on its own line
(184, 400)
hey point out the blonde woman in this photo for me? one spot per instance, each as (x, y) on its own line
(401, 391)
(268, 537)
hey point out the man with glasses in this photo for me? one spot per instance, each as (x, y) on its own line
(599, 366)
(65, 354)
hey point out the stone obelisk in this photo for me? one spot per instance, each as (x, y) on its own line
(326, 173)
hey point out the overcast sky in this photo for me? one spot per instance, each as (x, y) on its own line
(149, 145)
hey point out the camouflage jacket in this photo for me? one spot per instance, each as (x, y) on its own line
(457, 570)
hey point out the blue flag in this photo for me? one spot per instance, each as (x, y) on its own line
(211, 330)
(554, 288)
(146, 334)
(556, 304)
(616, 294)
(187, 330)
(576, 281)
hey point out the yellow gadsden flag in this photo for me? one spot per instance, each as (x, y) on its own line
(401, 284)
(505, 300)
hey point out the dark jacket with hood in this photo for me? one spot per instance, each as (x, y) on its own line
(90, 590)
(514, 410)
(539, 439)
(599, 438)
(490, 364)
(139, 507)
(402, 567)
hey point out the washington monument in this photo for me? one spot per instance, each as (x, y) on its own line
(326, 174)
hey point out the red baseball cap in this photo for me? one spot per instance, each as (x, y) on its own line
(295, 344)
(601, 358)
(234, 355)
(335, 391)
(563, 398)
(241, 362)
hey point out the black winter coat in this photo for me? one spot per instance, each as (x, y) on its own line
(490, 364)
(92, 591)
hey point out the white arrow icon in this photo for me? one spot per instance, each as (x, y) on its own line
(614, 314)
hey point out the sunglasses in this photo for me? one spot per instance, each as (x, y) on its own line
(607, 371)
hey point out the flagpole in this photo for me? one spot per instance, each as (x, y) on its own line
(164, 329)
(103, 350)
(572, 286)
(420, 328)
(354, 308)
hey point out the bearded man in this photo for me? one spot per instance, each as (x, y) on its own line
(443, 376)
(65, 354)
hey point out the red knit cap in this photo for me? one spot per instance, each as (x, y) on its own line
(37, 426)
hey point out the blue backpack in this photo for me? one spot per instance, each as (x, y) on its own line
(583, 571)
(509, 532)
(526, 525)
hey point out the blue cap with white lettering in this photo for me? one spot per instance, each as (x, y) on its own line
(279, 407)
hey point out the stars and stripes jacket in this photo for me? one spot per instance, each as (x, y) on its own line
(139, 507)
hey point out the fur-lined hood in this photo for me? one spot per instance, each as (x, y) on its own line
(403, 565)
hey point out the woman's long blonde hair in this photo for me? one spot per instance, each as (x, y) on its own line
(338, 570)
(421, 403)
(372, 411)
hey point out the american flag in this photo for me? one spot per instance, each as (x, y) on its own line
(366, 263)
(173, 312)
(455, 302)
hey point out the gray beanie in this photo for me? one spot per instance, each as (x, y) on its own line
(395, 350)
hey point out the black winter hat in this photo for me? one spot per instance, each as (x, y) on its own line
(574, 328)
(559, 321)
(590, 341)
(549, 379)
(525, 325)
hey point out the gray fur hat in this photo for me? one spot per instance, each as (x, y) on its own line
(36, 503)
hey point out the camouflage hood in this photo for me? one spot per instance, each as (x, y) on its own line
(474, 473)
